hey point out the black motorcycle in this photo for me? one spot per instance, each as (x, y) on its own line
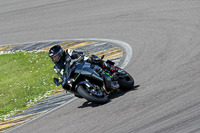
(84, 82)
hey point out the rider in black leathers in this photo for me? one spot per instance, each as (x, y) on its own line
(60, 58)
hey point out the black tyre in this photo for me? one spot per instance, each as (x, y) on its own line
(125, 81)
(100, 100)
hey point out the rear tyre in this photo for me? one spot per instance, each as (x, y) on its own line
(125, 81)
(100, 100)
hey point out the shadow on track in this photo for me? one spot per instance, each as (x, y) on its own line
(111, 96)
(121, 93)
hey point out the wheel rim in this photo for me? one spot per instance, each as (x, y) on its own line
(96, 91)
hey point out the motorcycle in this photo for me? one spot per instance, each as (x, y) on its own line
(84, 81)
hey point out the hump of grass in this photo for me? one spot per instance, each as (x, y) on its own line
(25, 78)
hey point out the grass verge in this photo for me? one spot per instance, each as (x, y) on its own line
(26, 78)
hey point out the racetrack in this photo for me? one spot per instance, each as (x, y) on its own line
(164, 37)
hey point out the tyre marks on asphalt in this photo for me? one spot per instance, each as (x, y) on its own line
(89, 47)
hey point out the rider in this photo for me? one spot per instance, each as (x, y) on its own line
(60, 58)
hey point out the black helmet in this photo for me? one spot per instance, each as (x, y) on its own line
(95, 59)
(55, 53)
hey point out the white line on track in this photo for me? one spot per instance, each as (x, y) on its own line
(42, 115)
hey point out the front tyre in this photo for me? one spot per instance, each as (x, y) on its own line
(90, 97)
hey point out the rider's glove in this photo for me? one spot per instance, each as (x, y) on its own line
(56, 81)
(64, 78)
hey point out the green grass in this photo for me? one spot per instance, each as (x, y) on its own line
(26, 77)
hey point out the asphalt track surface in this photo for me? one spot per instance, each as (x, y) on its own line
(165, 39)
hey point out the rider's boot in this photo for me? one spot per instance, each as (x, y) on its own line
(110, 85)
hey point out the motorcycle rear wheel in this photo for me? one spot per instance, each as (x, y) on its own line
(126, 82)
(94, 99)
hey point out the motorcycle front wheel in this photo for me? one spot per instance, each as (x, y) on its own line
(82, 90)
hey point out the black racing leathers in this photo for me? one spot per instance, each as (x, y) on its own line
(61, 67)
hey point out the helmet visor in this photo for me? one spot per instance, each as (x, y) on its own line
(56, 58)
